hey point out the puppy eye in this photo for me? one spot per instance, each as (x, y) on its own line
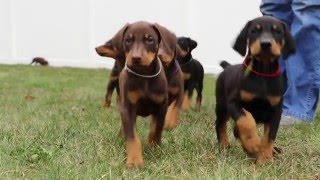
(149, 40)
(277, 32)
(255, 31)
(128, 40)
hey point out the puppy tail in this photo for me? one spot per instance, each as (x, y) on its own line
(224, 64)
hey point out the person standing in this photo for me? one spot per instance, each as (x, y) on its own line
(302, 69)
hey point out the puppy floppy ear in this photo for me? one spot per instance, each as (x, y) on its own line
(240, 44)
(289, 44)
(168, 38)
(113, 48)
(107, 50)
(193, 44)
(158, 29)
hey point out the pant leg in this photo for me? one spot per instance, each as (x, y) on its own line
(280, 9)
(303, 68)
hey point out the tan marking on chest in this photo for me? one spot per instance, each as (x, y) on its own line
(246, 96)
(174, 90)
(274, 100)
(186, 76)
(134, 96)
(157, 98)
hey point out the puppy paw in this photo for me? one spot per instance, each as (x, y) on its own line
(107, 104)
(265, 155)
(134, 162)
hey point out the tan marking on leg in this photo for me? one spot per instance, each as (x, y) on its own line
(174, 90)
(107, 102)
(248, 135)
(186, 76)
(266, 147)
(246, 96)
(186, 102)
(224, 139)
(171, 116)
(113, 78)
(274, 100)
(157, 98)
(133, 96)
(134, 152)
(198, 103)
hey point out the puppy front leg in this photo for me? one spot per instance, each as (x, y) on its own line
(133, 143)
(269, 136)
(246, 130)
(157, 124)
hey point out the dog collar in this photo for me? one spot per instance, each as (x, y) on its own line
(141, 75)
(191, 59)
(250, 69)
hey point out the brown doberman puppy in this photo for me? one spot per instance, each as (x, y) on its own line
(252, 92)
(39, 60)
(113, 49)
(143, 87)
(167, 54)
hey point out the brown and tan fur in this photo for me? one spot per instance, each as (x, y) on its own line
(167, 54)
(113, 49)
(141, 96)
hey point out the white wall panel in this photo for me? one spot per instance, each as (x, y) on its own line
(66, 31)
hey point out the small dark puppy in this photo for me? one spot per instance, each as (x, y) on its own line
(167, 54)
(39, 60)
(192, 71)
(251, 92)
(113, 49)
(143, 87)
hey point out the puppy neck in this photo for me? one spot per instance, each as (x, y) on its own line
(150, 71)
(183, 61)
(255, 66)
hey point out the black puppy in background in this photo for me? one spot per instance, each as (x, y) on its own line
(192, 71)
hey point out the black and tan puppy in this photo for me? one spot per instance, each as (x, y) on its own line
(113, 49)
(251, 92)
(39, 60)
(143, 87)
(192, 71)
(167, 54)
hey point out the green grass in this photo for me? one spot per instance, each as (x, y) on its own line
(64, 133)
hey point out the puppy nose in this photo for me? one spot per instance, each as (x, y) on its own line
(265, 45)
(136, 58)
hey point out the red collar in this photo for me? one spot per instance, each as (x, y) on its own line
(249, 69)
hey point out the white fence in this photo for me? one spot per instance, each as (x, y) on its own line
(66, 31)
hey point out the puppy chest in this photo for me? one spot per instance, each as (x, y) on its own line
(147, 94)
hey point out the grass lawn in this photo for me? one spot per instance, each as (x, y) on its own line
(61, 131)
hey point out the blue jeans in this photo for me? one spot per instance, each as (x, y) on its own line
(302, 69)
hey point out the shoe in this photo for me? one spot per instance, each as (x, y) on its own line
(288, 120)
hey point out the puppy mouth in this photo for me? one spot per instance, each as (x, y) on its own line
(265, 56)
